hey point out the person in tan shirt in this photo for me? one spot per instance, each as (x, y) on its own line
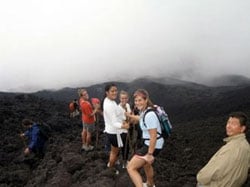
(230, 164)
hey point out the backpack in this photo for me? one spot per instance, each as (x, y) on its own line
(72, 106)
(44, 130)
(166, 127)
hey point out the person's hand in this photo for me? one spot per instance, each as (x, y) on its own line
(27, 151)
(132, 118)
(148, 158)
(97, 106)
(125, 125)
(128, 114)
(22, 135)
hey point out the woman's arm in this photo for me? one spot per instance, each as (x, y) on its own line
(134, 119)
(152, 141)
(149, 157)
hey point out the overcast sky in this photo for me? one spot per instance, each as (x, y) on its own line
(56, 43)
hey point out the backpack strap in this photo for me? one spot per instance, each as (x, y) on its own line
(143, 119)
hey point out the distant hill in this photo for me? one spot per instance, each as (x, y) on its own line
(182, 99)
(97, 90)
(228, 80)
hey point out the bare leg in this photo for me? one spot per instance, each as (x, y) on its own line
(88, 138)
(84, 136)
(134, 165)
(113, 156)
(149, 171)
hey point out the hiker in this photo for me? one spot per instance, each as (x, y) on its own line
(230, 164)
(153, 142)
(73, 108)
(88, 120)
(36, 142)
(135, 130)
(124, 105)
(115, 125)
(124, 98)
(98, 117)
(97, 106)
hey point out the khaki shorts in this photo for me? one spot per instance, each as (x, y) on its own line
(88, 127)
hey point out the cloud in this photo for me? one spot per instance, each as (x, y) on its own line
(52, 44)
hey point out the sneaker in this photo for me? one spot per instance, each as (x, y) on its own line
(124, 165)
(117, 162)
(89, 148)
(108, 164)
(146, 185)
(117, 172)
(84, 146)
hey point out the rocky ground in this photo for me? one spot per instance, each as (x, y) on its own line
(186, 151)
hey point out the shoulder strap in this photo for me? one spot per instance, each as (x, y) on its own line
(148, 110)
(143, 119)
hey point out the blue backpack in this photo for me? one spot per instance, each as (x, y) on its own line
(166, 127)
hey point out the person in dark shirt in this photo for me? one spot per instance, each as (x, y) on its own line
(36, 142)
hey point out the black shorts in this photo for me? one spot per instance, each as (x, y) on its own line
(113, 139)
(144, 150)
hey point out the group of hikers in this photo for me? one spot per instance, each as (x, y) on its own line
(120, 122)
(227, 168)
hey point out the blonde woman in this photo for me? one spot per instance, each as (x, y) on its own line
(124, 105)
(153, 142)
(88, 119)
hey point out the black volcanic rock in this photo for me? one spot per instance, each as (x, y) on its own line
(198, 114)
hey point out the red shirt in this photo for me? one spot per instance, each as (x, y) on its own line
(87, 110)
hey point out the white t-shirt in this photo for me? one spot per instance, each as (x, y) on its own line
(128, 109)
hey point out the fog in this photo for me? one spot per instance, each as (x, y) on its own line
(48, 44)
